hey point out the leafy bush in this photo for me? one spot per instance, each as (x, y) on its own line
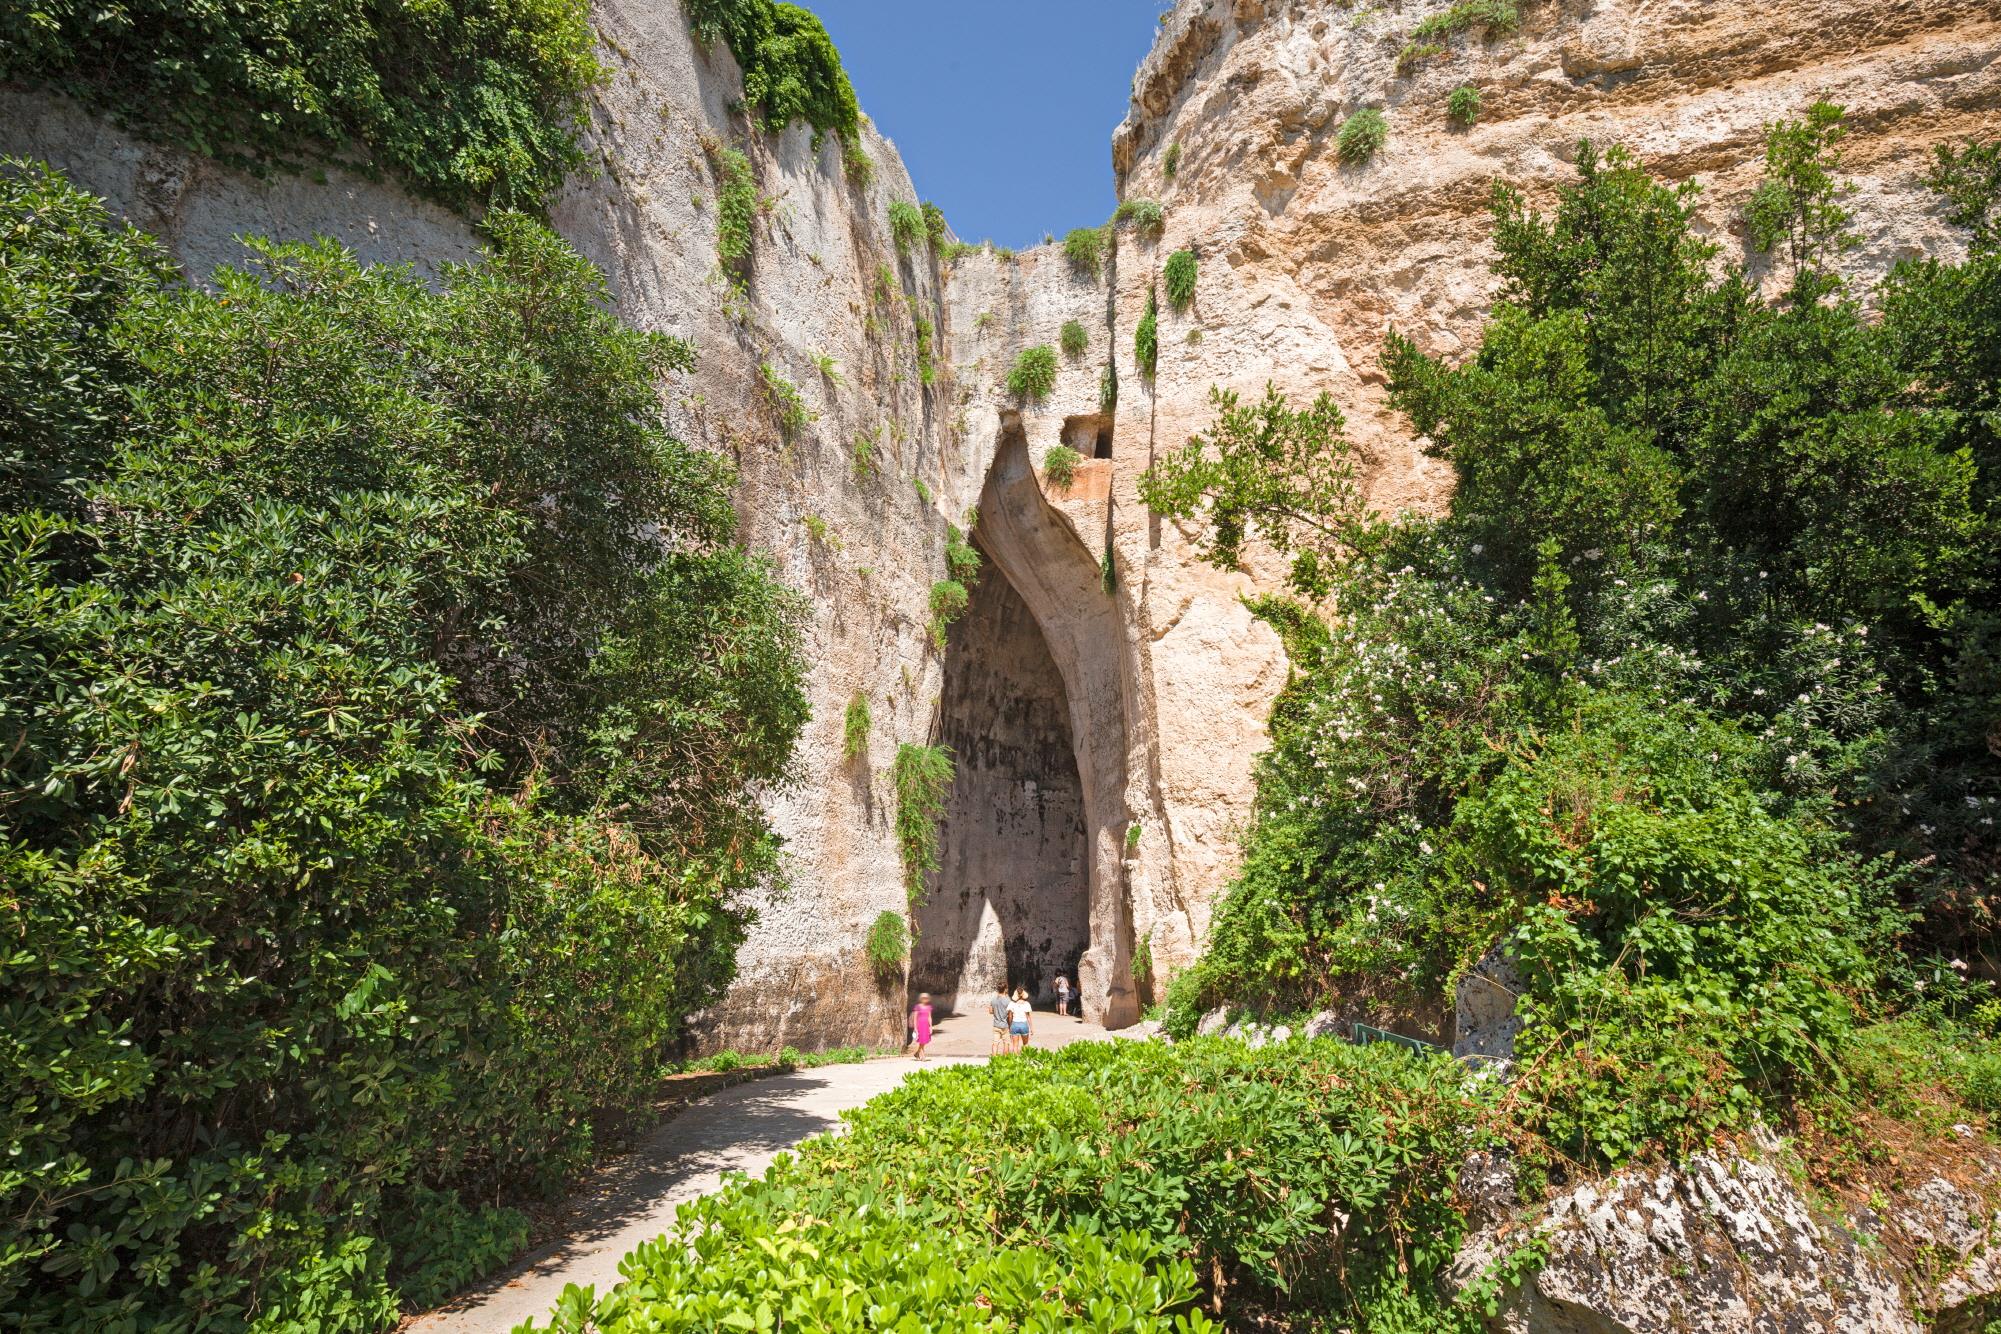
(791, 69)
(1178, 277)
(737, 207)
(863, 452)
(1362, 135)
(1170, 161)
(922, 776)
(1496, 16)
(888, 943)
(1146, 337)
(1060, 465)
(782, 395)
(475, 104)
(1108, 388)
(1074, 340)
(962, 558)
(854, 728)
(934, 224)
(1463, 107)
(1100, 1187)
(948, 603)
(1033, 374)
(906, 225)
(1147, 217)
(388, 701)
(1084, 247)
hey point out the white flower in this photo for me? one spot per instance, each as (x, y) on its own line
(1478, 548)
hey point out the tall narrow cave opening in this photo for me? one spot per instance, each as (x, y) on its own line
(1010, 902)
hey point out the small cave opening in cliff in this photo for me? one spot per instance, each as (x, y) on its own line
(1010, 902)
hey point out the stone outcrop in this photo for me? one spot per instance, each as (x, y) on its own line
(1730, 1242)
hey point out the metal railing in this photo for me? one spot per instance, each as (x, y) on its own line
(1364, 1034)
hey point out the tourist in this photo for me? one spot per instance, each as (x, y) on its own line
(920, 1024)
(1063, 995)
(1019, 1025)
(999, 1006)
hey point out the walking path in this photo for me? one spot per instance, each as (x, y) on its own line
(740, 1129)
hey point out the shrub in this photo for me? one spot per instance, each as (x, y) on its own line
(1178, 276)
(791, 69)
(1084, 247)
(1146, 337)
(384, 598)
(1108, 572)
(888, 944)
(1170, 161)
(1033, 374)
(934, 224)
(956, 250)
(1463, 107)
(736, 207)
(854, 728)
(791, 411)
(1147, 217)
(1497, 16)
(1108, 388)
(1362, 135)
(866, 443)
(906, 225)
(1312, 1177)
(922, 776)
(924, 337)
(475, 105)
(962, 558)
(1074, 339)
(1060, 465)
(948, 602)
(1413, 52)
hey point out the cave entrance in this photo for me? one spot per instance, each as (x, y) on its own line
(1031, 882)
(1010, 903)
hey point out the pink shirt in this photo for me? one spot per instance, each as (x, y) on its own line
(920, 1022)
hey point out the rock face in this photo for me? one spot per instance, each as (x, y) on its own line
(1094, 622)
(1729, 1243)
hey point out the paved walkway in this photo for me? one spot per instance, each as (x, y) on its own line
(740, 1129)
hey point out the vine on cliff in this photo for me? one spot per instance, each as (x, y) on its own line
(791, 69)
(922, 776)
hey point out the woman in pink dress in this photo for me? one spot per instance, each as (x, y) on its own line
(920, 1024)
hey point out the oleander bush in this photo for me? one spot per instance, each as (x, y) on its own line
(1106, 1186)
(1033, 374)
(386, 698)
(475, 102)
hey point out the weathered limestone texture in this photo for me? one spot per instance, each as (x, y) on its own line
(1729, 1243)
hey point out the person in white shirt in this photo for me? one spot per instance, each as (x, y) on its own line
(1020, 1024)
(1062, 995)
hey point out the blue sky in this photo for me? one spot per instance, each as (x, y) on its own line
(1003, 112)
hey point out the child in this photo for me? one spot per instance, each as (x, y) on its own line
(1018, 1019)
(920, 1024)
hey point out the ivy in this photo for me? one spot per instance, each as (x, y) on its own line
(922, 777)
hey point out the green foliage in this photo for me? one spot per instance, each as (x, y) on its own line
(1655, 707)
(888, 943)
(1496, 16)
(1108, 572)
(387, 703)
(1291, 474)
(1084, 247)
(923, 490)
(1362, 135)
(1146, 337)
(1463, 107)
(934, 225)
(791, 70)
(1413, 53)
(1108, 388)
(1147, 217)
(1074, 340)
(922, 776)
(855, 728)
(948, 602)
(1100, 1188)
(956, 250)
(787, 407)
(1178, 277)
(1133, 831)
(906, 225)
(737, 207)
(474, 101)
(1033, 374)
(1143, 960)
(1968, 178)
(1170, 161)
(1059, 465)
(863, 452)
(1794, 209)
(962, 558)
